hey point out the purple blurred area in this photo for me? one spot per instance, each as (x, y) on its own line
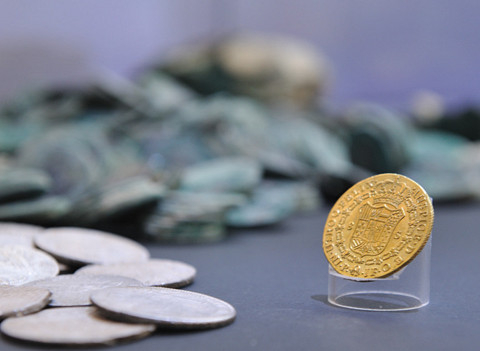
(382, 51)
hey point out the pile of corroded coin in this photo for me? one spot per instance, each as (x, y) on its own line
(113, 291)
(204, 139)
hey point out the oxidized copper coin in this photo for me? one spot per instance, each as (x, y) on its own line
(171, 308)
(75, 290)
(22, 264)
(78, 246)
(377, 226)
(155, 272)
(21, 300)
(72, 326)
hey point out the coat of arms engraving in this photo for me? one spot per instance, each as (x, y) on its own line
(374, 227)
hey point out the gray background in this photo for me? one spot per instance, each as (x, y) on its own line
(383, 51)
(277, 280)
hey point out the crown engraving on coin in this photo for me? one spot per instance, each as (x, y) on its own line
(377, 226)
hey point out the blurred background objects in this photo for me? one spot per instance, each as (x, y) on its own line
(383, 52)
(180, 119)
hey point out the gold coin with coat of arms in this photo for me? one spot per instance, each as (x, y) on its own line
(377, 226)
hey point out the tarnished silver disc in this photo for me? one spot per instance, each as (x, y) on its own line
(75, 290)
(72, 326)
(164, 306)
(22, 264)
(79, 246)
(21, 300)
(23, 234)
(154, 272)
(18, 234)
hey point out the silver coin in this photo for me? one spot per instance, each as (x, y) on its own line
(21, 300)
(78, 246)
(23, 234)
(154, 272)
(75, 290)
(18, 234)
(165, 307)
(21, 264)
(72, 326)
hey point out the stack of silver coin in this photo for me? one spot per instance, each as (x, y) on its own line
(110, 291)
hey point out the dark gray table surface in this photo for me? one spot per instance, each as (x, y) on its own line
(277, 280)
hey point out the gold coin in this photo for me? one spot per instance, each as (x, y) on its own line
(377, 226)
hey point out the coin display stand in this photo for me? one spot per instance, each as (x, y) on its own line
(404, 290)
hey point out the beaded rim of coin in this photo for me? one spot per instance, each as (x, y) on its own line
(22, 300)
(75, 290)
(377, 226)
(169, 308)
(154, 272)
(72, 326)
(80, 246)
(23, 264)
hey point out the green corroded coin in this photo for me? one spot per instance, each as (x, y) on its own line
(18, 184)
(177, 201)
(186, 231)
(268, 205)
(303, 194)
(228, 174)
(378, 138)
(76, 157)
(135, 196)
(192, 217)
(43, 210)
(438, 163)
(165, 93)
(129, 196)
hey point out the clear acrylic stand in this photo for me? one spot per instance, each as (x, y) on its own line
(405, 290)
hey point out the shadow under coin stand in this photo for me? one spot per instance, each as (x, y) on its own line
(404, 290)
